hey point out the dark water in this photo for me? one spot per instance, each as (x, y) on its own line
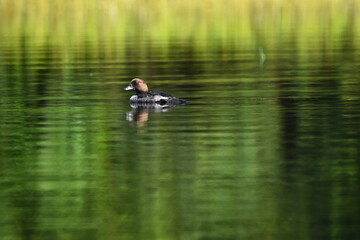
(266, 148)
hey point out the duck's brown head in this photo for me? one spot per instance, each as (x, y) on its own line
(138, 85)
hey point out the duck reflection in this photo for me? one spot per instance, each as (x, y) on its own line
(140, 111)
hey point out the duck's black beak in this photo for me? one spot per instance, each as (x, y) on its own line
(130, 87)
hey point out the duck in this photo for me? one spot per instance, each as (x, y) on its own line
(144, 96)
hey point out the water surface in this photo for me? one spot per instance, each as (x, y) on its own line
(265, 149)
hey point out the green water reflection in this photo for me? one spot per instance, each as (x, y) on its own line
(266, 148)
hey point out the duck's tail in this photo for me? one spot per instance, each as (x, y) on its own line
(179, 101)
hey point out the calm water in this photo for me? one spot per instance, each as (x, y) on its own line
(266, 149)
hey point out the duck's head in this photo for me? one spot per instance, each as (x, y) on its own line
(138, 85)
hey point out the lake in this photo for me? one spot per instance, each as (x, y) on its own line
(266, 148)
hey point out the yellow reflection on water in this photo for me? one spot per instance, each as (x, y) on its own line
(65, 22)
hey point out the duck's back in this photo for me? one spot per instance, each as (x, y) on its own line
(157, 97)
